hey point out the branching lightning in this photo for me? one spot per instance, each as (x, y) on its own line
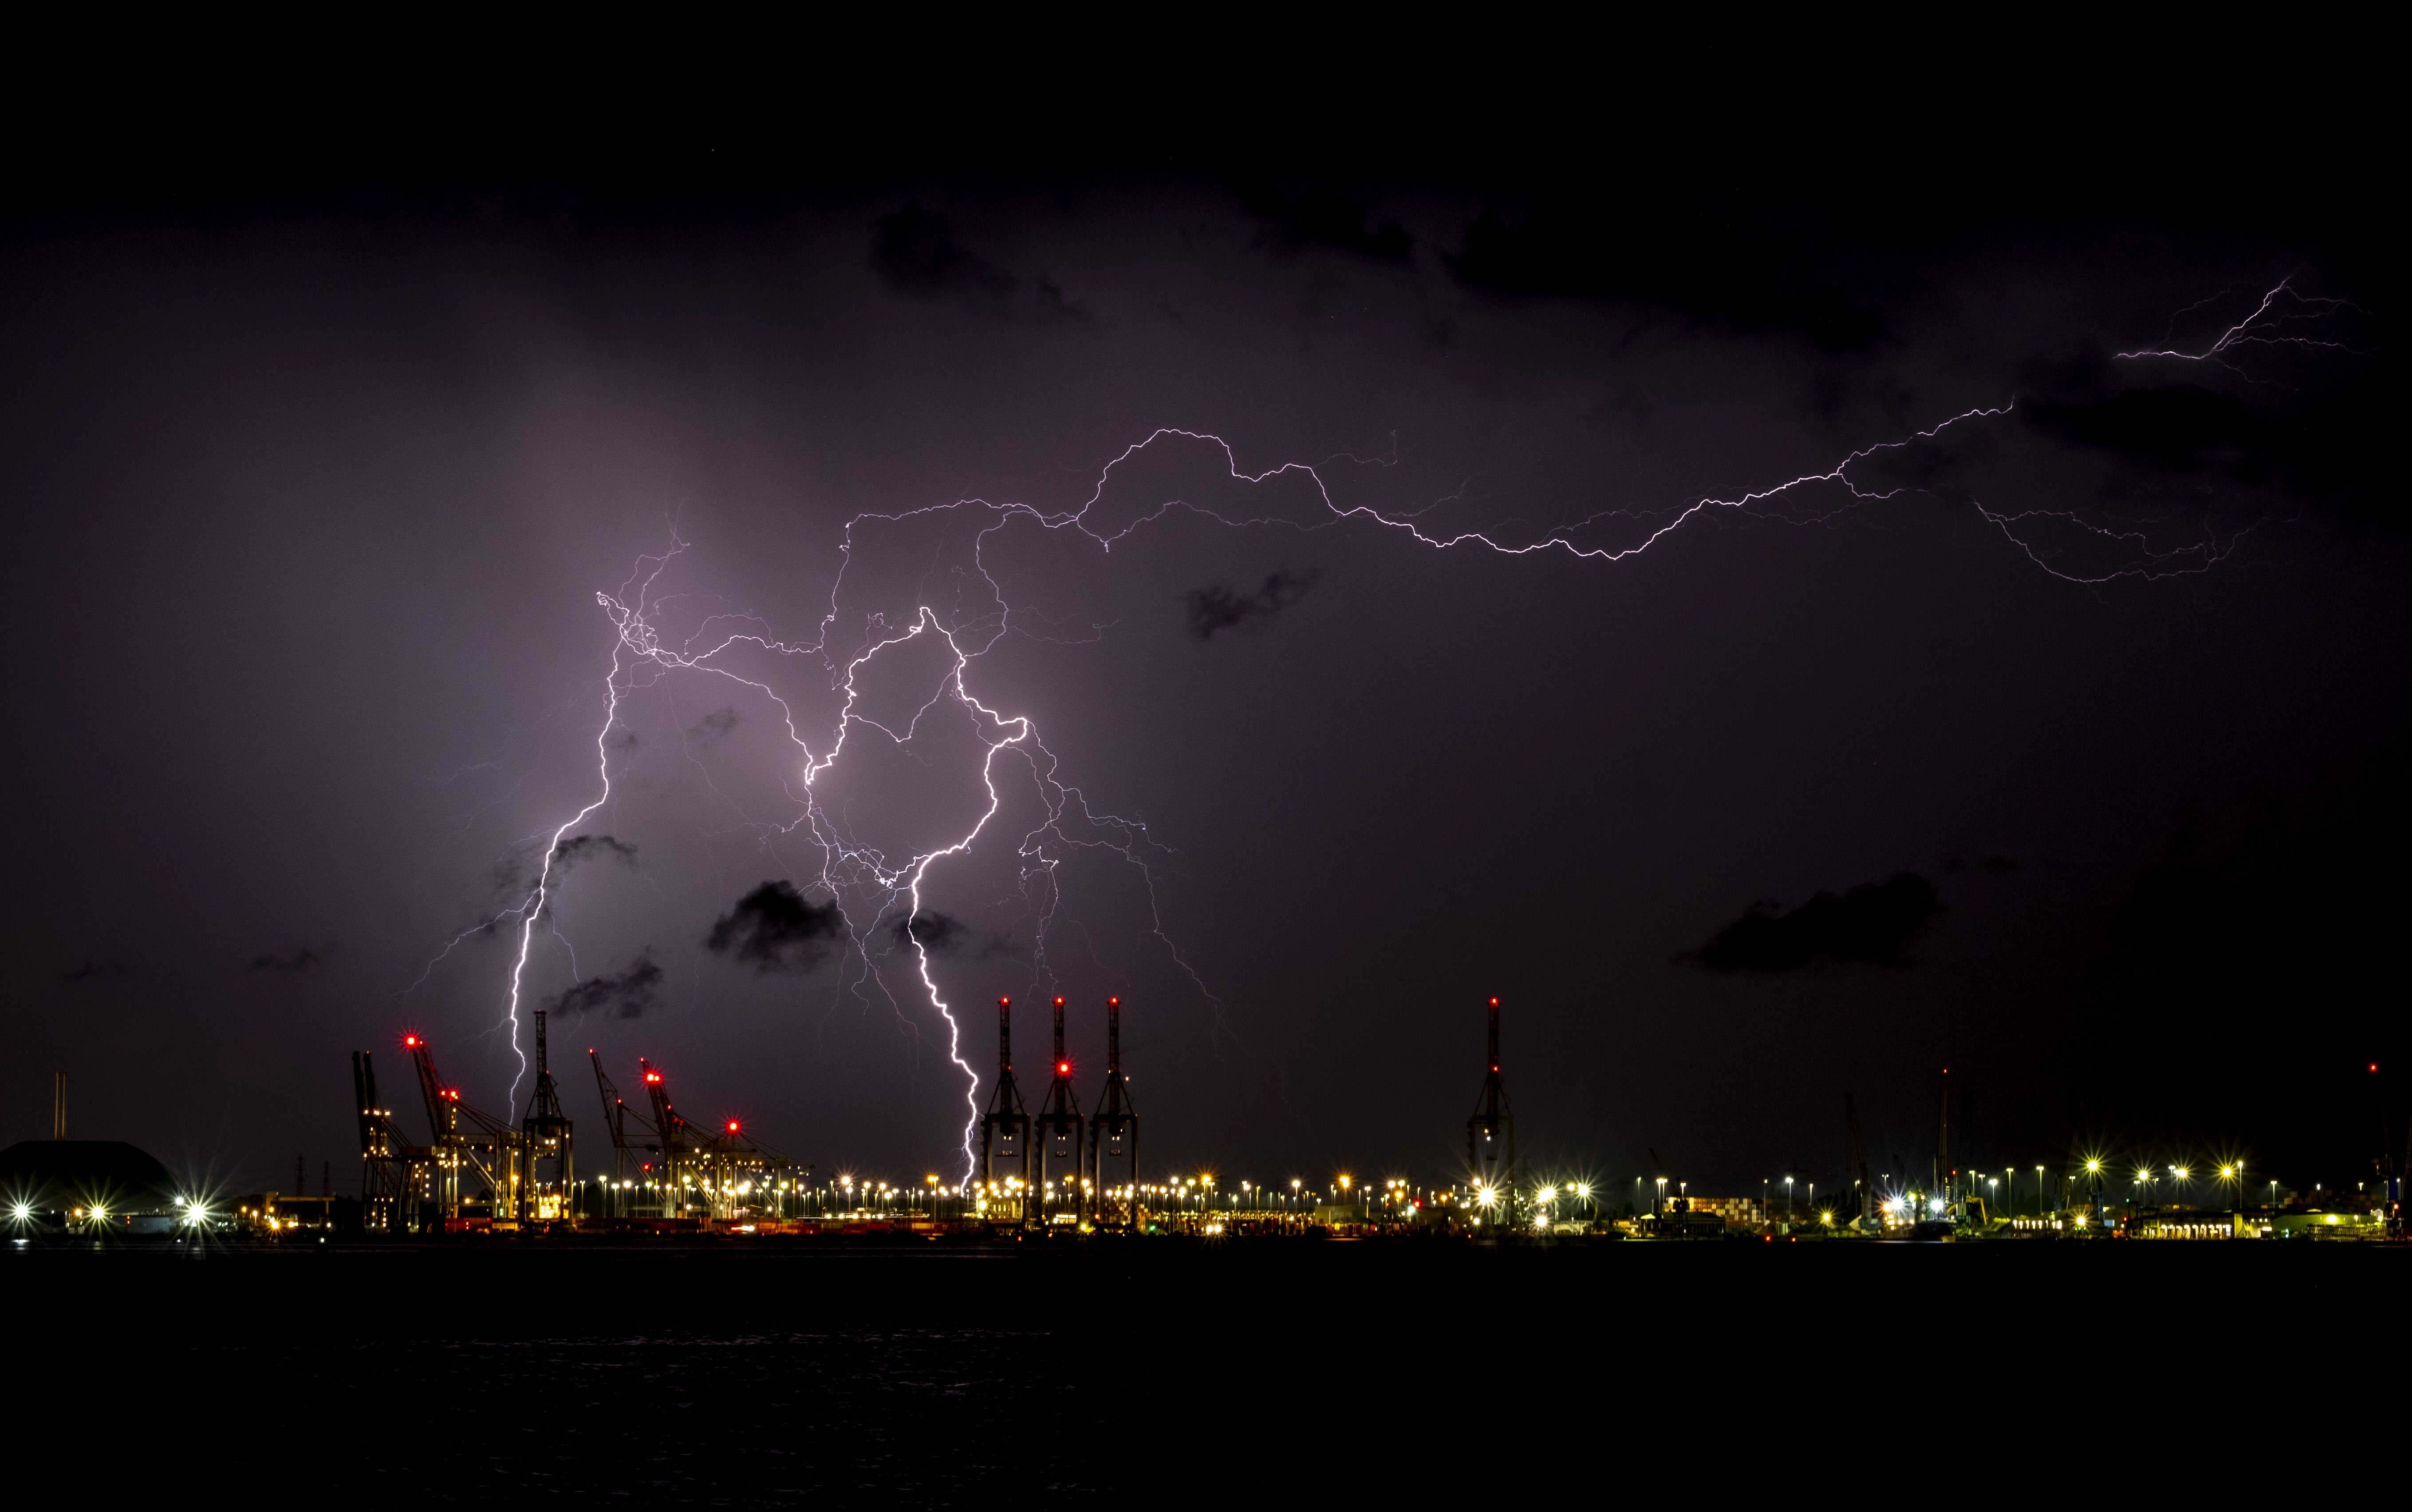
(2269, 324)
(872, 886)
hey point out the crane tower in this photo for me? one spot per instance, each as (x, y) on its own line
(1113, 1134)
(1058, 1130)
(1490, 1137)
(1005, 1130)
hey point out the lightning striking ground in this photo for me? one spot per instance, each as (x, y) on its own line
(870, 887)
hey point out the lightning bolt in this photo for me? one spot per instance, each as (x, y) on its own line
(863, 880)
(2266, 325)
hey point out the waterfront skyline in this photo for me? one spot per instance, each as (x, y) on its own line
(2056, 739)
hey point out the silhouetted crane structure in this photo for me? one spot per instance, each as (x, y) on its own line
(1005, 1132)
(722, 1168)
(466, 1137)
(545, 1136)
(1113, 1134)
(2391, 1163)
(396, 1176)
(625, 1158)
(1058, 1130)
(675, 1141)
(1490, 1132)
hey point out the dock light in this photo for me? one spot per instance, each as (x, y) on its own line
(1584, 1191)
(1485, 1196)
(21, 1211)
(1549, 1193)
(2094, 1167)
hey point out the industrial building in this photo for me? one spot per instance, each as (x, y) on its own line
(95, 1187)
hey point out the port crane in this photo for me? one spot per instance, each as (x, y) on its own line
(467, 1137)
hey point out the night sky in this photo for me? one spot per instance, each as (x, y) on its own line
(2064, 746)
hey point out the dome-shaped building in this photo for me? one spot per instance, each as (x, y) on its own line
(71, 1184)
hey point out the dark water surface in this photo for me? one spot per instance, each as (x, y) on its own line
(1261, 1373)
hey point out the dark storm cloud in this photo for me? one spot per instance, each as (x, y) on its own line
(915, 254)
(1219, 607)
(579, 847)
(936, 932)
(629, 993)
(292, 963)
(714, 725)
(1716, 269)
(1871, 922)
(1322, 216)
(93, 971)
(2326, 447)
(773, 928)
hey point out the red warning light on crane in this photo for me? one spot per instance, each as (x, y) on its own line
(410, 1042)
(732, 1125)
(653, 1076)
(1114, 1002)
(1063, 1068)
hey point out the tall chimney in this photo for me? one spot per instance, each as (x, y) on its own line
(58, 1104)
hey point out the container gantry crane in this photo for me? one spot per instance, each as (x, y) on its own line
(1490, 1132)
(1058, 1129)
(467, 1137)
(1114, 1135)
(1005, 1132)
